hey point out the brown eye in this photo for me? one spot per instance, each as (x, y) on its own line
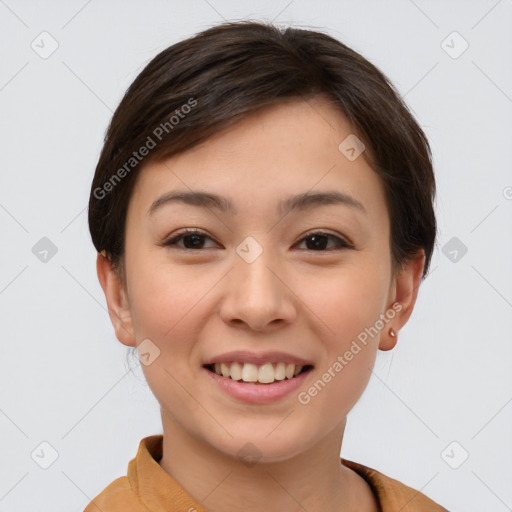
(192, 240)
(319, 240)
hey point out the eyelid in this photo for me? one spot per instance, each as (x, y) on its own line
(343, 242)
(171, 241)
(321, 232)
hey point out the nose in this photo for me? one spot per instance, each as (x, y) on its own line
(259, 294)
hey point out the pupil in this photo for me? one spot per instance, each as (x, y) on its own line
(197, 239)
(317, 241)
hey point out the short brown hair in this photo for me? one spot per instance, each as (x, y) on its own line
(207, 82)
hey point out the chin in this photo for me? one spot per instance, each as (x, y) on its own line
(264, 445)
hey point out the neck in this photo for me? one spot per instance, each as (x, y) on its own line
(313, 480)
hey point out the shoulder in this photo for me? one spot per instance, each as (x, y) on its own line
(118, 496)
(392, 494)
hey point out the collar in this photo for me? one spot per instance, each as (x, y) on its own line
(159, 492)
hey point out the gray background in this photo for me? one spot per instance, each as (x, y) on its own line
(64, 376)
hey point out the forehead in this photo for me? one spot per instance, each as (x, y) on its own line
(289, 148)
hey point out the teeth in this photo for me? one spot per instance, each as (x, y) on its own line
(224, 369)
(250, 373)
(235, 371)
(280, 373)
(264, 374)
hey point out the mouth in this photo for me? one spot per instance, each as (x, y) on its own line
(267, 373)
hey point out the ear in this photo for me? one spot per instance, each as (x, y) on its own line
(404, 291)
(117, 300)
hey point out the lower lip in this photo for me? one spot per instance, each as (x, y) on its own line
(254, 393)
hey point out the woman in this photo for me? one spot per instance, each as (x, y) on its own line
(263, 214)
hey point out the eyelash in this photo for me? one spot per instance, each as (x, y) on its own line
(172, 242)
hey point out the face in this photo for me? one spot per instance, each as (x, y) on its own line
(262, 287)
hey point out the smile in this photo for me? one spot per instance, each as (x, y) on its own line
(266, 373)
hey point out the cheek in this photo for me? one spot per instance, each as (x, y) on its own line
(348, 305)
(344, 303)
(340, 381)
(163, 299)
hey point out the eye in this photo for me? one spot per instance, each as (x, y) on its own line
(193, 239)
(319, 238)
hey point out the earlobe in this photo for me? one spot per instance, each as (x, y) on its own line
(388, 340)
(117, 300)
(406, 287)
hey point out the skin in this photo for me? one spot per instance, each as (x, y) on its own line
(309, 302)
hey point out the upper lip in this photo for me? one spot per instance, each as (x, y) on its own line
(258, 359)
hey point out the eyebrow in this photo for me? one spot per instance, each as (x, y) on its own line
(304, 201)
